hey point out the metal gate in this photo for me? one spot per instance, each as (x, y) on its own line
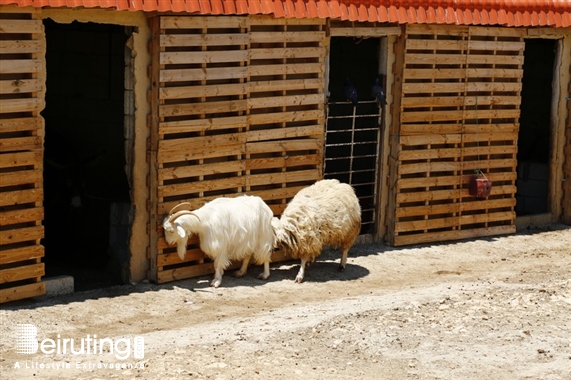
(351, 152)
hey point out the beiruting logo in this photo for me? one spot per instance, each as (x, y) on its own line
(27, 343)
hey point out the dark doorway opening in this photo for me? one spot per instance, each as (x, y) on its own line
(534, 139)
(353, 132)
(87, 197)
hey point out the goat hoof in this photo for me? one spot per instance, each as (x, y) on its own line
(341, 268)
(263, 276)
(239, 274)
(299, 280)
(215, 283)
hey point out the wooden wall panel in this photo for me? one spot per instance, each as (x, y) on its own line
(459, 111)
(237, 109)
(22, 81)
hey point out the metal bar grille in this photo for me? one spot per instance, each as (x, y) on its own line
(351, 152)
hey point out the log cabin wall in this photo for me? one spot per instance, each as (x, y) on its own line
(22, 87)
(459, 98)
(238, 109)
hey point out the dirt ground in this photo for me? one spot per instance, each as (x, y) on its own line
(490, 308)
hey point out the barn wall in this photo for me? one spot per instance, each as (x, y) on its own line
(238, 108)
(22, 88)
(458, 110)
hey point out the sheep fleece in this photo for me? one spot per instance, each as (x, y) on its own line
(326, 213)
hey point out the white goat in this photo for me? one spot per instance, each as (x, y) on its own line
(228, 229)
(326, 213)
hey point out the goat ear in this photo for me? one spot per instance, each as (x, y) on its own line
(181, 232)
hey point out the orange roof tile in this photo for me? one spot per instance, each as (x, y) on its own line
(554, 13)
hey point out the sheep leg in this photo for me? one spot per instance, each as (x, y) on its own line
(266, 273)
(218, 272)
(343, 259)
(301, 273)
(244, 267)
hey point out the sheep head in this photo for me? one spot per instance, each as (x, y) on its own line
(174, 231)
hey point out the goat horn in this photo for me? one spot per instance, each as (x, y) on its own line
(181, 212)
(184, 205)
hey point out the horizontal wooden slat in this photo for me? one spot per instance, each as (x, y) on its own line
(21, 144)
(21, 234)
(167, 58)
(202, 91)
(21, 254)
(21, 105)
(22, 272)
(438, 195)
(427, 237)
(11, 160)
(20, 46)
(289, 52)
(22, 292)
(20, 86)
(21, 216)
(425, 167)
(273, 37)
(21, 66)
(450, 180)
(454, 207)
(414, 129)
(182, 22)
(21, 26)
(202, 108)
(285, 85)
(223, 39)
(367, 32)
(206, 142)
(209, 73)
(285, 101)
(23, 177)
(284, 146)
(21, 196)
(453, 138)
(285, 117)
(202, 124)
(292, 68)
(21, 124)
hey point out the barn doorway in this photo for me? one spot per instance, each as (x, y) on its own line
(534, 140)
(87, 195)
(353, 132)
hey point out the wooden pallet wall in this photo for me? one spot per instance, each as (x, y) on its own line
(237, 109)
(459, 111)
(22, 79)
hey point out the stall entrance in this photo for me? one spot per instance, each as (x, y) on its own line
(534, 139)
(353, 129)
(87, 199)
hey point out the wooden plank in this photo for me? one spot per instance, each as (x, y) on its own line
(21, 234)
(21, 254)
(222, 39)
(284, 146)
(412, 129)
(284, 69)
(214, 142)
(207, 124)
(448, 73)
(373, 31)
(287, 116)
(425, 167)
(497, 46)
(487, 217)
(15, 144)
(22, 46)
(202, 22)
(287, 52)
(10, 26)
(202, 153)
(424, 225)
(208, 73)
(426, 44)
(21, 216)
(21, 66)
(21, 124)
(262, 20)
(430, 88)
(285, 101)
(203, 108)
(284, 133)
(285, 85)
(195, 57)
(224, 167)
(21, 105)
(10, 198)
(183, 92)
(277, 36)
(24, 177)
(438, 195)
(410, 183)
(22, 292)
(515, 60)
(20, 86)
(427, 237)
(453, 138)
(22, 272)
(458, 207)
(12, 160)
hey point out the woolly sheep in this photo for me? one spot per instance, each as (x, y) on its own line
(326, 213)
(228, 229)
